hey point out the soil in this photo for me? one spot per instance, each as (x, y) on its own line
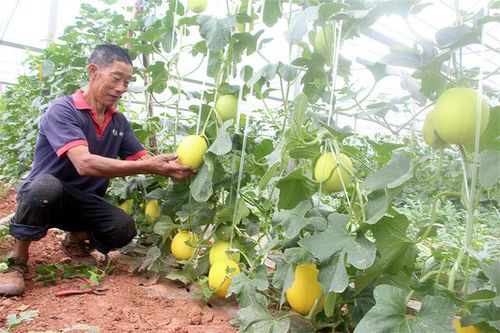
(7, 199)
(128, 303)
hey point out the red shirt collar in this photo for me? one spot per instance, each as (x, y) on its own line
(81, 102)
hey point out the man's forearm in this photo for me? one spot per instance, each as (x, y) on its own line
(88, 164)
(98, 166)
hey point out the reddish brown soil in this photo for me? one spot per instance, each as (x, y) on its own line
(125, 306)
(7, 199)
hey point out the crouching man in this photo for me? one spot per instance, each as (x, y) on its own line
(80, 138)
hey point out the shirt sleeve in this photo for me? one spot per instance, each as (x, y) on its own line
(62, 128)
(131, 148)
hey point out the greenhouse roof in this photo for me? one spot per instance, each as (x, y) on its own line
(26, 26)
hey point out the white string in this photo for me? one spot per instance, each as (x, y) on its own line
(200, 108)
(475, 156)
(335, 56)
(242, 164)
(173, 26)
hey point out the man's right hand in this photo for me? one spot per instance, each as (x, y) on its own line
(167, 165)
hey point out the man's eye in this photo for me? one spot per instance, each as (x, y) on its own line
(116, 78)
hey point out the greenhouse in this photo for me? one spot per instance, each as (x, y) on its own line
(250, 166)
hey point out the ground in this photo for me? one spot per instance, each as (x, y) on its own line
(129, 303)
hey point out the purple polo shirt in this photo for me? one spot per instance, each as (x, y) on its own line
(70, 122)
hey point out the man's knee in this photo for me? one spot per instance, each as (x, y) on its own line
(44, 191)
(115, 234)
(125, 230)
(39, 201)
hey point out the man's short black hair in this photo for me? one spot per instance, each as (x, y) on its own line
(105, 54)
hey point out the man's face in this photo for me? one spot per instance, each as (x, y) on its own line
(108, 84)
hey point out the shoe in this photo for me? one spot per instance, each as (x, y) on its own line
(12, 281)
(78, 251)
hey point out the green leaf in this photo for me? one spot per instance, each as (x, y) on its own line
(186, 275)
(432, 81)
(271, 12)
(298, 25)
(169, 37)
(337, 132)
(164, 227)
(177, 6)
(379, 203)
(216, 32)
(287, 73)
(377, 69)
(333, 275)
(412, 85)
(255, 318)
(484, 314)
(303, 151)
(268, 72)
(404, 56)
(270, 173)
(298, 118)
(159, 77)
(202, 186)
(492, 272)
(489, 18)
(397, 7)
(214, 63)
(490, 139)
(151, 256)
(153, 33)
(285, 270)
(14, 321)
(48, 68)
(364, 301)
(389, 314)
(297, 255)
(395, 249)
(82, 327)
(241, 212)
(264, 148)
(489, 168)
(199, 48)
(156, 194)
(295, 188)
(396, 173)
(294, 220)
(457, 36)
(222, 144)
(328, 9)
(242, 41)
(360, 251)
(283, 276)
(245, 286)
(275, 156)
(246, 73)
(46, 274)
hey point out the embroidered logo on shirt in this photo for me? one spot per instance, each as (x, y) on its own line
(116, 133)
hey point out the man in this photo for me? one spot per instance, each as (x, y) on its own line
(76, 153)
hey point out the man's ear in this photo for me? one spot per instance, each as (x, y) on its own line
(92, 70)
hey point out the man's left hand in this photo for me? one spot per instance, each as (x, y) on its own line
(179, 171)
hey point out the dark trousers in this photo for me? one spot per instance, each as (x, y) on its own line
(46, 202)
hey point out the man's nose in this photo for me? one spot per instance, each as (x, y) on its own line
(121, 88)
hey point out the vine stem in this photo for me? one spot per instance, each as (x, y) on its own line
(475, 164)
(198, 243)
(285, 107)
(433, 213)
(438, 169)
(470, 191)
